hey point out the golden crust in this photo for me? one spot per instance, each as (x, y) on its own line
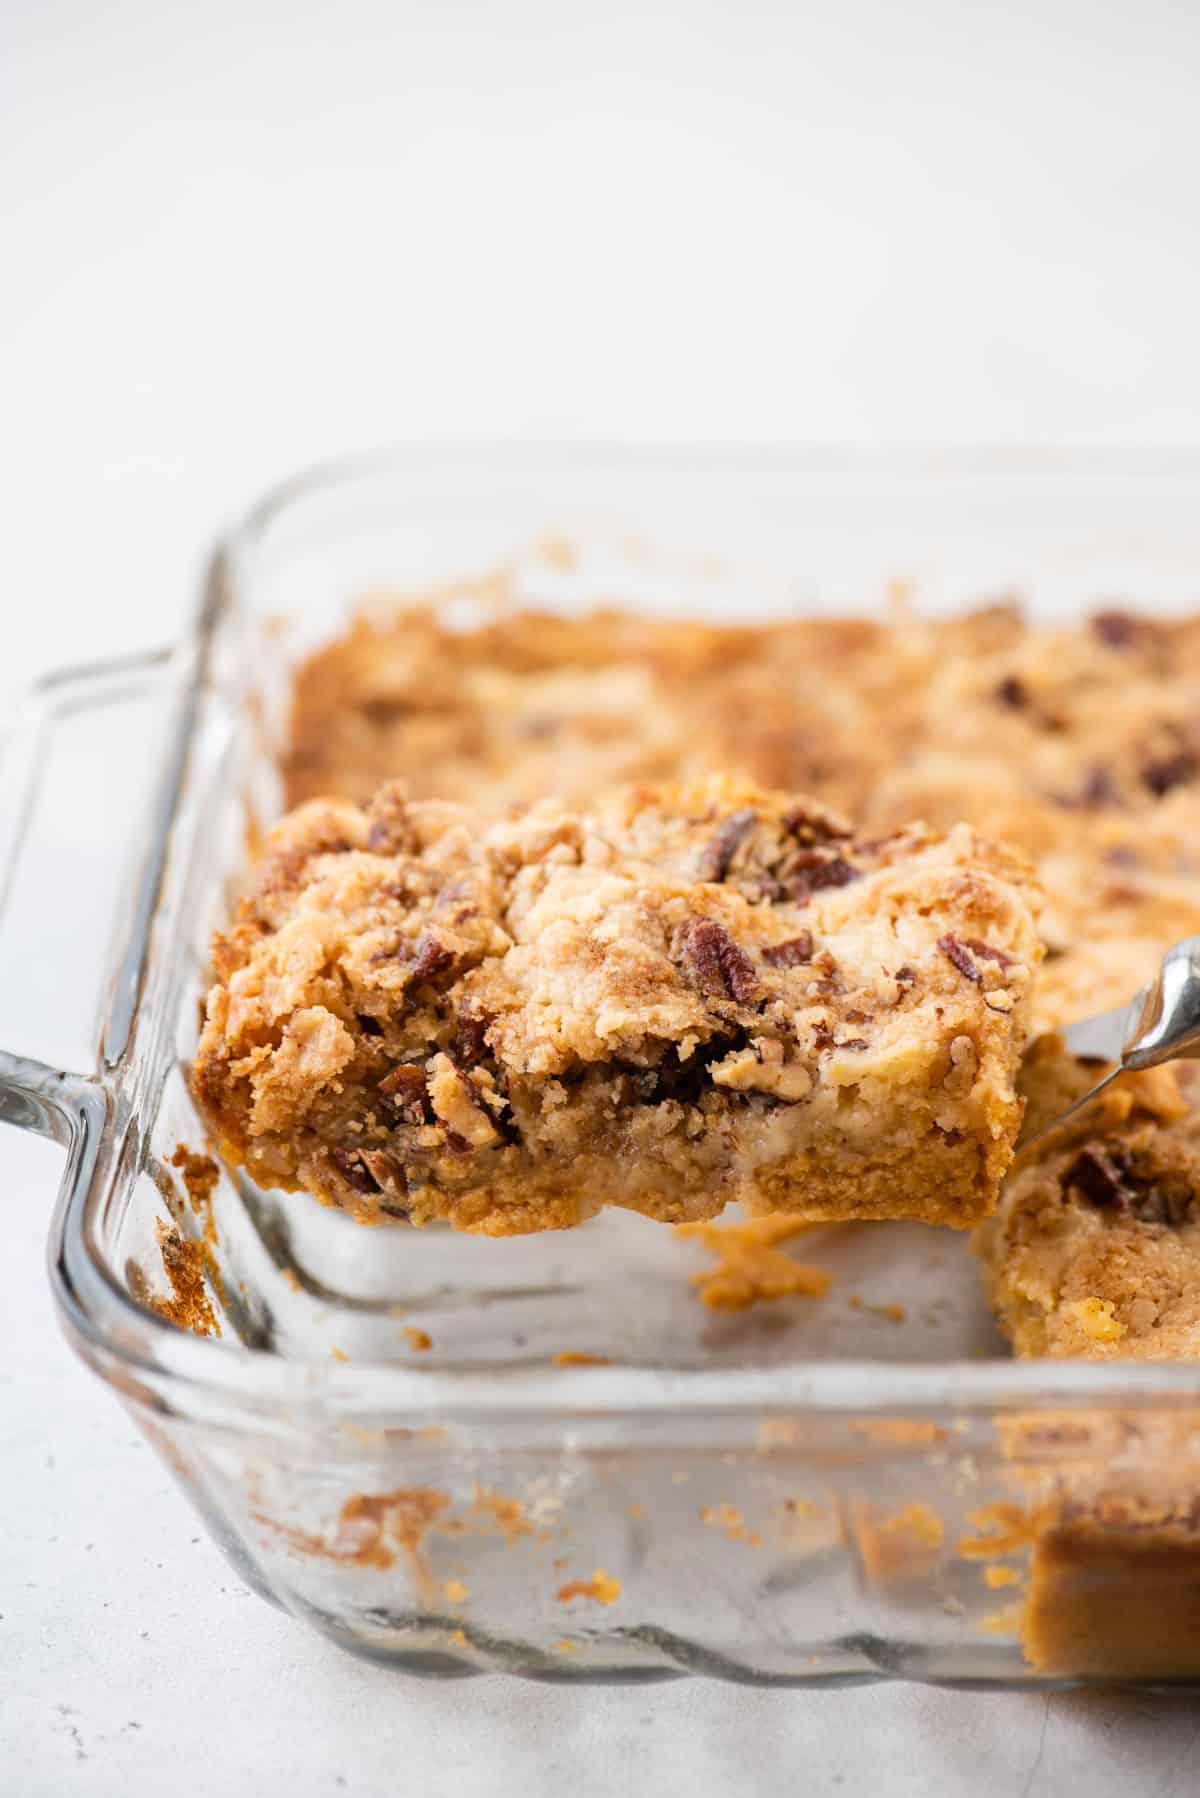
(1080, 746)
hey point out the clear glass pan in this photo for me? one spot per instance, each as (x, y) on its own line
(806, 1492)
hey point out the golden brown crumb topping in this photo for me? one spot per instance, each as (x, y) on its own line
(684, 996)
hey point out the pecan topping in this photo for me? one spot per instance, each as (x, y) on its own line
(812, 827)
(1012, 691)
(685, 1082)
(388, 1174)
(381, 709)
(1097, 1178)
(905, 975)
(457, 1145)
(1161, 773)
(1123, 855)
(430, 958)
(1109, 1178)
(809, 871)
(714, 862)
(853, 1042)
(987, 952)
(470, 1037)
(406, 1088)
(1117, 629)
(349, 1163)
(790, 954)
(1097, 788)
(718, 967)
(957, 953)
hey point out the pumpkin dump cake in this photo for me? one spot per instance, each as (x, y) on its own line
(675, 998)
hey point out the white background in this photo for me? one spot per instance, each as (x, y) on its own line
(235, 239)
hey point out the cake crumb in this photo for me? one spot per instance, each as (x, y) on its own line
(417, 1339)
(1005, 1622)
(455, 1592)
(750, 1266)
(896, 1314)
(605, 1588)
(185, 1263)
(919, 1521)
(577, 1358)
(1095, 1318)
(729, 1518)
(201, 1176)
(507, 1514)
(1004, 1528)
(994, 1575)
(900, 1547)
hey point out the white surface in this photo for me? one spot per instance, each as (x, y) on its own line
(235, 239)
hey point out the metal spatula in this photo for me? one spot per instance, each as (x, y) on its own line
(1160, 1023)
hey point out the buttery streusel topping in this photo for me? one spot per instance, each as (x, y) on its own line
(683, 996)
(1079, 745)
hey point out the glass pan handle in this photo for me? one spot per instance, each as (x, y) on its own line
(47, 887)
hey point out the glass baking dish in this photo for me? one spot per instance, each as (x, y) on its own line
(585, 1475)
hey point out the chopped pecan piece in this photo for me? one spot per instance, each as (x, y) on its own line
(406, 1088)
(716, 964)
(813, 826)
(957, 953)
(430, 958)
(470, 1037)
(1109, 1178)
(460, 1106)
(790, 954)
(350, 1164)
(1098, 788)
(1013, 692)
(1162, 773)
(1117, 629)
(388, 1173)
(987, 952)
(809, 871)
(1098, 1178)
(714, 862)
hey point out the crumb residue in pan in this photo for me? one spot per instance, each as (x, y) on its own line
(200, 1177)
(750, 1265)
(187, 1264)
(603, 1588)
